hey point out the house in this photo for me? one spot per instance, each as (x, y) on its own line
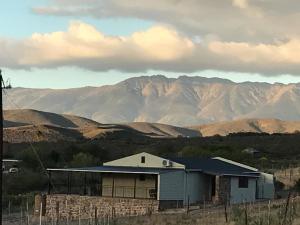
(144, 180)
(252, 151)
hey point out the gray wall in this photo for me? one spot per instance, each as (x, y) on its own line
(179, 185)
(266, 188)
(240, 195)
(198, 187)
(171, 185)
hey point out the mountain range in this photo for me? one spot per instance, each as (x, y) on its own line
(182, 101)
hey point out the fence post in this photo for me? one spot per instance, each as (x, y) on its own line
(188, 205)
(9, 205)
(41, 209)
(21, 214)
(246, 214)
(269, 213)
(286, 208)
(27, 212)
(79, 215)
(68, 211)
(96, 216)
(57, 213)
(225, 211)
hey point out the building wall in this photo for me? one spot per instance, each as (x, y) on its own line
(265, 185)
(171, 186)
(197, 188)
(128, 185)
(71, 206)
(135, 161)
(240, 195)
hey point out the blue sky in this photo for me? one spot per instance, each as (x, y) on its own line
(18, 22)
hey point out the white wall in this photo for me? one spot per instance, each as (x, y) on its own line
(240, 195)
(266, 188)
(171, 185)
(135, 161)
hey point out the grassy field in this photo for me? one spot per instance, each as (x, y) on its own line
(288, 176)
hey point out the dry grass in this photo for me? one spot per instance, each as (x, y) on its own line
(288, 176)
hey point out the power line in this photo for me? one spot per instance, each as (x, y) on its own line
(30, 143)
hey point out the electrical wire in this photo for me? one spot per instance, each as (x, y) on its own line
(30, 143)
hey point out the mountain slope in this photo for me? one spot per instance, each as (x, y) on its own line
(34, 126)
(156, 129)
(29, 116)
(249, 125)
(184, 101)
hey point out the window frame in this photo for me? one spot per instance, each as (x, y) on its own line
(243, 182)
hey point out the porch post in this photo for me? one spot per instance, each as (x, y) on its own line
(68, 182)
(84, 190)
(113, 186)
(49, 182)
(156, 185)
(134, 187)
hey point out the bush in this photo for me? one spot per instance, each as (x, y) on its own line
(83, 159)
(297, 185)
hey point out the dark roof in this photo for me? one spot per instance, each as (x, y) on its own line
(116, 169)
(214, 166)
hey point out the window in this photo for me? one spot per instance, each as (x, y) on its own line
(143, 159)
(243, 182)
(142, 177)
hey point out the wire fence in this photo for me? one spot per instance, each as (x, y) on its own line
(275, 212)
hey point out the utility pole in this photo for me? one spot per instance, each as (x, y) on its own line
(1, 144)
(2, 85)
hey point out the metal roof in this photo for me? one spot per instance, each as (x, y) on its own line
(214, 167)
(116, 169)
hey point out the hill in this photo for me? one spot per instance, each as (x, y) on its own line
(35, 117)
(36, 126)
(269, 126)
(32, 125)
(184, 101)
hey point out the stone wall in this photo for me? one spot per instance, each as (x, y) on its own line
(223, 188)
(71, 206)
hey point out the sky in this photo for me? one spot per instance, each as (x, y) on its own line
(75, 43)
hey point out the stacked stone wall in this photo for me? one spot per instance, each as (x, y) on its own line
(224, 190)
(72, 206)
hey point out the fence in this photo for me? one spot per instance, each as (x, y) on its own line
(276, 212)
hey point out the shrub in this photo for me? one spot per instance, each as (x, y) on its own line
(297, 185)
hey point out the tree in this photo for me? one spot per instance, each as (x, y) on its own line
(83, 159)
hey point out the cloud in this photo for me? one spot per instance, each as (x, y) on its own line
(252, 21)
(159, 48)
(82, 45)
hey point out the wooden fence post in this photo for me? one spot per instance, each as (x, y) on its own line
(225, 211)
(41, 210)
(57, 213)
(96, 216)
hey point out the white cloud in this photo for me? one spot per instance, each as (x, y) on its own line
(160, 48)
(83, 44)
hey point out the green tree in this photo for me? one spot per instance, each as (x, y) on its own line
(83, 159)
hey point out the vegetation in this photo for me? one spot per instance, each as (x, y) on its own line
(297, 186)
(276, 151)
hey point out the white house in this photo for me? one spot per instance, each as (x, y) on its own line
(175, 181)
